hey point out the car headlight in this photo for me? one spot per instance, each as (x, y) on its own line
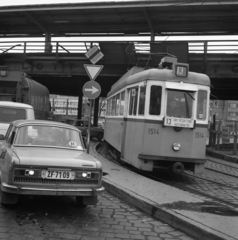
(27, 172)
(86, 174)
(176, 146)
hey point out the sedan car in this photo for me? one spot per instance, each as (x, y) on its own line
(40, 157)
(83, 125)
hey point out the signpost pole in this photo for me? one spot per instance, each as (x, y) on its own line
(89, 126)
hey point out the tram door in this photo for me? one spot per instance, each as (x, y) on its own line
(133, 127)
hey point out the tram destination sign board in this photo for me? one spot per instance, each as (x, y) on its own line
(178, 122)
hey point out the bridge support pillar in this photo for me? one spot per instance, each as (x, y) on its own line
(80, 102)
(48, 46)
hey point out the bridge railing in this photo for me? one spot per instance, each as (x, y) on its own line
(70, 47)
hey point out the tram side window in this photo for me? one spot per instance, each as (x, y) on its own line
(155, 100)
(122, 106)
(202, 105)
(133, 101)
(117, 104)
(109, 105)
(113, 106)
(142, 100)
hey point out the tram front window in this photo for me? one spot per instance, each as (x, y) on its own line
(179, 104)
(155, 100)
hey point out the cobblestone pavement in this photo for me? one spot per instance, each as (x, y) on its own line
(52, 218)
(222, 166)
(219, 180)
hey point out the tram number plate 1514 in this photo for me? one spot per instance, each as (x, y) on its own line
(178, 122)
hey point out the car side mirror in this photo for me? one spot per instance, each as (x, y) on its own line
(2, 137)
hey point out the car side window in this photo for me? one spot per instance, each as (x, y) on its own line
(8, 133)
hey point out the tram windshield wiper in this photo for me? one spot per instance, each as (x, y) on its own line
(189, 94)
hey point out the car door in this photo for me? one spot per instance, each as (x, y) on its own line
(5, 149)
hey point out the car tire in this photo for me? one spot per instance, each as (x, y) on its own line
(79, 201)
(100, 136)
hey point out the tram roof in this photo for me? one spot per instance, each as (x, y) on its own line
(138, 75)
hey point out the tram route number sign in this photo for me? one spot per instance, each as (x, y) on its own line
(91, 89)
(178, 122)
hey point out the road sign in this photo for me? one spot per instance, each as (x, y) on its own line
(94, 54)
(93, 70)
(91, 89)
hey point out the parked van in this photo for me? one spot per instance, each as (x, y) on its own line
(10, 111)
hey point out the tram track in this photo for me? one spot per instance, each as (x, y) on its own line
(220, 187)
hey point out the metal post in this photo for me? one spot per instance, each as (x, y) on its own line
(235, 139)
(213, 131)
(219, 135)
(89, 126)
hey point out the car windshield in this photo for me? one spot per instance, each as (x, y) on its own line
(50, 136)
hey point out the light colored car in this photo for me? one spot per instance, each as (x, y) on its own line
(40, 157)
(82, 125)
(10, 111)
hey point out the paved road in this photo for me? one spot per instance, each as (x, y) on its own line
(54, 218)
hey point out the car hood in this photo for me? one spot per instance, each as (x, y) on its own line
(55, 157)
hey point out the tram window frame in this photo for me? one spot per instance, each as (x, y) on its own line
(202, 100)
(122, 103)
(133, 101)
(141, 108)
(113, 112)
(117, 104)
(109, 104)
(155, 101)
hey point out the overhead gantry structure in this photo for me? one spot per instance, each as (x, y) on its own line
(121, 18)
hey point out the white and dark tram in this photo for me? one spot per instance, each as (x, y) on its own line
(159, 118)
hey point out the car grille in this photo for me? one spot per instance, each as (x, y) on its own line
(38, 180)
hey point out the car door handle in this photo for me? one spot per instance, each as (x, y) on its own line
(4, 151)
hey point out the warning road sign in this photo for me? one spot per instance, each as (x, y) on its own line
(93, 70)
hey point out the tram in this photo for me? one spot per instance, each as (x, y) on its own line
(158, 117)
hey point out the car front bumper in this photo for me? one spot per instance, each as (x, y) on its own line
(52, 191)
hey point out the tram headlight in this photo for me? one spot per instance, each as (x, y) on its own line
(176, 146)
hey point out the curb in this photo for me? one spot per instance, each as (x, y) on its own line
(174, 219)
(194, 229)
(225, 157)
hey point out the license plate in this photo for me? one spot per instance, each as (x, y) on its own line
(55, 174)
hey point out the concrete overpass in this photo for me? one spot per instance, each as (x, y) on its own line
(62, 70)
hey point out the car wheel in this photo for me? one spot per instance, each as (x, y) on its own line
(100, 136)
(79, 201)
